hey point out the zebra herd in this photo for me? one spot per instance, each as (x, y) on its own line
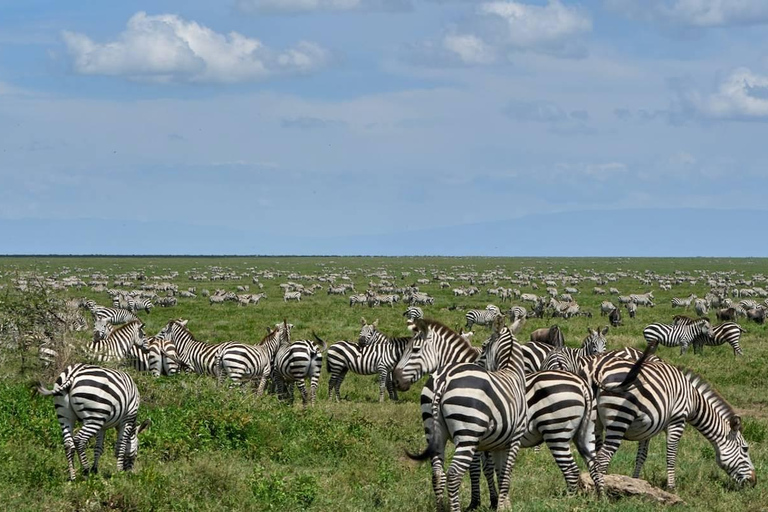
(489, 401)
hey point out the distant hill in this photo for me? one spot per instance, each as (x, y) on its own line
(670, 232)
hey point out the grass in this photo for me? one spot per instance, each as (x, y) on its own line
(213, 448)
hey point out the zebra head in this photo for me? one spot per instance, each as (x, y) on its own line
(595, 342)
(132, 445)
(498, 350)
(732, 454)
(367, 331)
(419, 356)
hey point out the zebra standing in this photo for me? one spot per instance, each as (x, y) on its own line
(100, 398)
(516, 312)
(727, 332)
(103, 315)
(683, 303)
(413, 312)
(198, 356)
(573, 359)
(677, 335)
(663, 397)
(375, 353)
(482, 316)
(239, 361)
(296, 362)
(480, 411)
(292, 296)
(135, 304)
(119, 344)
(359, 298)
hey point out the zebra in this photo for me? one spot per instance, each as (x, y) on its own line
(375, 353)
(677, 335)
(701, 306)
(663, 397)
(480, 411)
(359, 298)
(614, 317)
(136, 304)
(292, 296)
(103, 315)
(632, 309)
(481, 316)
(683, 303)
(643, 299)
(413, 312)
(535, 353)
(553, 402)
(727, 332)
(606, 307)
(119, 343)
(239, 361)
(198, 356)
(100, 398)
(516, 312)
(295, 362)
(573, 359)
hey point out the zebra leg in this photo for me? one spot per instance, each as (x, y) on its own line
(81, 441)
(585, 441)
(613, 438)
(642, 454)
(314, 382)
(561, 451)
(303, 389)
(97, 451)
(69, 449)
(674, 433)
(438, 479)
(506, 461)
(474, 479)
(683, 347)
(383, 374)
(263, 380)
(391, 389)
(339, 380)
(490, 477)
(462, 458)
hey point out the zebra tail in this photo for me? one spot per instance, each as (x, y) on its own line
(635, 370)
(427, 454)
(324, 344)
(41, 389)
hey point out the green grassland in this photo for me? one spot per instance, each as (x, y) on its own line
(214, 448)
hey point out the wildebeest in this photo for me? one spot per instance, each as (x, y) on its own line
(550, 335)
(615, 317)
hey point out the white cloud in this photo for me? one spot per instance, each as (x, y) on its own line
(742, 95)
(695, 13)
(469, 48)
(310, 6)
(532, 27)
(168, 48)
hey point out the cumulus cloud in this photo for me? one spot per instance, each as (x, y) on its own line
(742, 95)
(498, 29)
(168, 48)
(310, 6)
(695, 13)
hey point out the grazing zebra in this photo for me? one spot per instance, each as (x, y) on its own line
(413, 312)
(677, 335)
(357, 299)
(239, 361)
(103, 315)
(292, 296)
(683, 303)
(573, 359)
(100, 398)
(481, 316)
(480, 411)
(296, 362)
(375, 353)
(701, 306)
(665, 398)
(606, 307)
(198, 356)
(728, 332)
(614, 317)
(135, 304)
(632, 309)
(516, 312)
(118, 343)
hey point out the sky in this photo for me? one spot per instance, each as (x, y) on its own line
(309, 120)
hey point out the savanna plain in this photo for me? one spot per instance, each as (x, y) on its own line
(212, 447)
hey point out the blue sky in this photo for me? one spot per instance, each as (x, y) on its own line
(339, 118)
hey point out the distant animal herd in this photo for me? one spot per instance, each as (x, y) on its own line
(489, 399)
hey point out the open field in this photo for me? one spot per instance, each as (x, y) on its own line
(214, 448)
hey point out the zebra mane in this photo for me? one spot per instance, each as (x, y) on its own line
(425, 323)
(126, 325)
(709, 393)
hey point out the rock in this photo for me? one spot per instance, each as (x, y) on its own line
(620, 485)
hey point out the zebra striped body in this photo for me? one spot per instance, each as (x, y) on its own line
(119, 344)
(516, 312)
(413, 312)
(481, 316)
(358, 299)
(103, 316)
(375, 354)
(728, 332)
(665, 398)
(480, 411)
(683, 303)
(239, 361)
(573, 359)
(292, 296)
(676, 335)
(100, 398)
(296, 362)
(154, 355)
(198, 356)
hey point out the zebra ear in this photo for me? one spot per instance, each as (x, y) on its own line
(591, 331)
(376, 323)
(604, 331)
(362, 321)
(144, 426)
(736, 423)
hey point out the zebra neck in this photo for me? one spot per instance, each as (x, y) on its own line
(271, 344)
(710, 413)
